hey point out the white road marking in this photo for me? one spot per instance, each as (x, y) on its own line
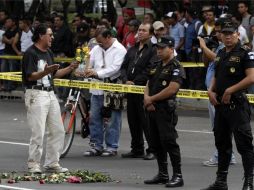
(11, 187)
(180, 130)
(191, 131)
(14, 143)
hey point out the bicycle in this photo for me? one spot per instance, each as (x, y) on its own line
(74, 101)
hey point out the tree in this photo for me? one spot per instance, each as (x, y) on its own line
(111, 12)
(122, 3)
(65, 4)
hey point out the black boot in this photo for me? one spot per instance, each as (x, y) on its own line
(248, 183)
(176, 181)
(161, 177)
(220, 182)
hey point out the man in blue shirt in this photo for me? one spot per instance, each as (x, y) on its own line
(176, 31)
(195, 76)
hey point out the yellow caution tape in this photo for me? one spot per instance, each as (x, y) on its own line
(18, 72)
(8, 76)
(56, 59)
(69, 60)
(183, 93)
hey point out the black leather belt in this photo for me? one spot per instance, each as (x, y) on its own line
(48, 89)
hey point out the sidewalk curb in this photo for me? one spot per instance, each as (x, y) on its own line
(13, 95)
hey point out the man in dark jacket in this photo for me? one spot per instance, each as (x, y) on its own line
(136, 62)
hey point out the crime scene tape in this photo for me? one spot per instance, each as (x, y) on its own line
(56, 59)
(69, 60)
(183, 93)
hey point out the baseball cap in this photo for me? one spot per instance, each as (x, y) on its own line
(229, 26)
(134, 22)
(170, 15)
(157, 25)
(207, 8)
(83, 27)
(166, 41)
(192, 12)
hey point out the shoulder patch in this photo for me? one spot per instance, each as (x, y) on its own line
(251, 55)
(245, 47)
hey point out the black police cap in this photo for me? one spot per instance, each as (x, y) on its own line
(166, 41)
(229, 26)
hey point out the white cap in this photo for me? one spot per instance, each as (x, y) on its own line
(157, 25)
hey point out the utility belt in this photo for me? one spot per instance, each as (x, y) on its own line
(169, 104)
(40, 87)
(237, 99)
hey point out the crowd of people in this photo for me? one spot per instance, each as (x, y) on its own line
(145, 53)
(183, 25)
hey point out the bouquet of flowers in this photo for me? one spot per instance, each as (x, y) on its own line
(82, 57)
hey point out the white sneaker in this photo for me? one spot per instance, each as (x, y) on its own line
(36, 169)
(55, 169)
(210, 163)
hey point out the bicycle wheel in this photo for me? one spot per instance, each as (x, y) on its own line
(69, 122)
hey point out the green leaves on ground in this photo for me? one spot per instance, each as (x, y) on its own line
(78, 176)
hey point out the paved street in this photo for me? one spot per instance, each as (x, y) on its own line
(195, 139)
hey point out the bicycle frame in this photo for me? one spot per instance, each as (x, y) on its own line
(72, 101)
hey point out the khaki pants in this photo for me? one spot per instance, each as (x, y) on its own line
(43, 114)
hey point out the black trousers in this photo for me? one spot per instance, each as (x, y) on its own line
(163, 135)
(234, 120)
(137, 123)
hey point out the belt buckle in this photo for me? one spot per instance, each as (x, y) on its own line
(232, 105)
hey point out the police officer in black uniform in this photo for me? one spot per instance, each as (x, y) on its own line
(234, 73)
(159, 100)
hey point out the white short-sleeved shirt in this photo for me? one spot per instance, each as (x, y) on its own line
(244, 39)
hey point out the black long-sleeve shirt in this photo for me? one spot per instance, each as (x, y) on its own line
(63, 41)
(136, 63)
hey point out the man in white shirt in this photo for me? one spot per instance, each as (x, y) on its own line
(105, 59)
(24, 37)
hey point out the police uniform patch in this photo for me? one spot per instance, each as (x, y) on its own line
(251, 55)
(176, 72)
(152, 71)
(234, 59)
(165, 71)
(232, 70)
(164, 83)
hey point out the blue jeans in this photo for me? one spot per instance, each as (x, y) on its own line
(96, 125)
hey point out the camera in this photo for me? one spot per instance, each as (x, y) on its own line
(210, 41)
